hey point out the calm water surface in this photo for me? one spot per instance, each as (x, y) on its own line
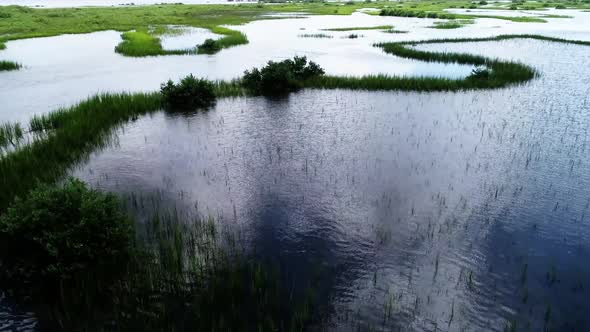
(465, 211)
(417, 211)
(60, 71)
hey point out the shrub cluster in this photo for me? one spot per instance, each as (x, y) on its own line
(190, 93)
(56, 232)
(209, 46)
(281, 77)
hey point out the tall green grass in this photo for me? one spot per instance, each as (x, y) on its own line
(141, 43)
(230, 37)
(65, 137)
(451, 24)
(10, 135)
(9, 65)
(144, 43)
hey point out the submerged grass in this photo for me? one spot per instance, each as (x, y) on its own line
(315, 35)
(9, 65)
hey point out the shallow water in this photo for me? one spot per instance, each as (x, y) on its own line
(435, 202)
(62, 70)
(463, 210)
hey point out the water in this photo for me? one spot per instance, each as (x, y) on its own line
(465, 211)
(437, 200)
(60, 71)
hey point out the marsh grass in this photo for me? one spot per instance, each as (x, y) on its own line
(11, 134)
(178, 274)
(141, 43)
(230, 37)
(379, 27)
(64, 137)
(395, 31)
(452, 24)
(315, 35)
(401, 12)
(9, 65)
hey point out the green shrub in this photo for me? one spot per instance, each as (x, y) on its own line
(560, 7)
(8, 65)
(189, 93)
(480, 73)
(483, 2)
(280, 77)
(56, 232)
(209, 46)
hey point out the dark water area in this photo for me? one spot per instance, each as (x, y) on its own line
(411, 211)
(14, 318)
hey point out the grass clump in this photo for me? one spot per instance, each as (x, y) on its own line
(281, 77)
(230, 38)
(315, 35)
(380, 27)
(141, 43)
(9, 65)
(452, 24)
(10, 135)
(189, 94)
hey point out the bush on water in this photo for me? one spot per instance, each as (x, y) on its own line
(209, 46)
(57, 231)
(9, 65)
(189, 94)
(281, 77)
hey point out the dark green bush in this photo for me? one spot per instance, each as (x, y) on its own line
(281, 77)
(189, 93)
(8, 65)
(480, 73)
(209, 46)
(56, 232)
(560, 7)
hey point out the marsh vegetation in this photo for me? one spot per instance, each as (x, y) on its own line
(356, 193)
